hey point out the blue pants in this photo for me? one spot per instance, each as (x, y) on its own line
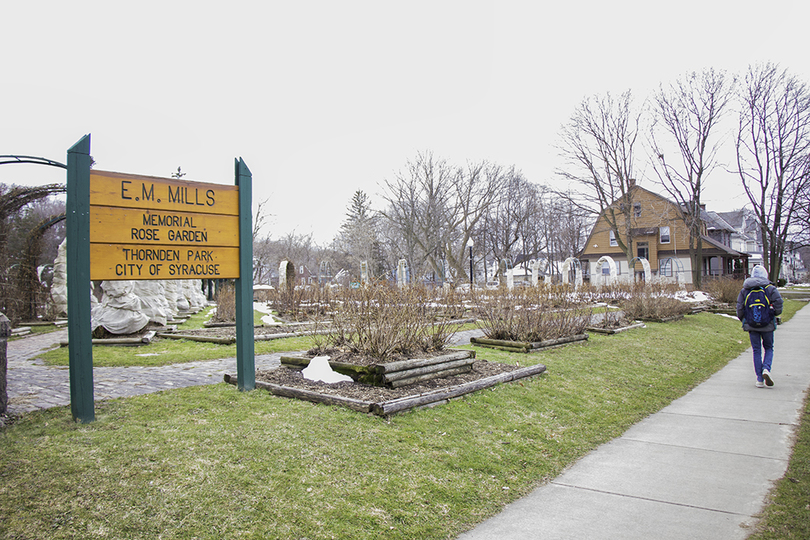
(758, 341)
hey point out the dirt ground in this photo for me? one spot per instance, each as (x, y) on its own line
(365, 392)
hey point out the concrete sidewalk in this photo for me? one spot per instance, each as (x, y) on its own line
(699, 469)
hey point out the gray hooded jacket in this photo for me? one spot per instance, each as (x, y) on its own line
(758, 280)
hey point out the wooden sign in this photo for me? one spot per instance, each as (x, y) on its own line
(125, 261)
(133, 226)
(144, 227)
(167, 194)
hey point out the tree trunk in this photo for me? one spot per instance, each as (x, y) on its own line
(5, 331)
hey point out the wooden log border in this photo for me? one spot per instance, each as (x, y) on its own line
(395, 406)
(524, 346)
(611, 331)
(664, 320)
(231, 340)
(145, 339)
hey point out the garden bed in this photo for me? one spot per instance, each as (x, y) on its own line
(385, 401)
(397, 372)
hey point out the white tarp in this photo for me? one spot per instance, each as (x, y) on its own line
(59, 283)
(170, 292)
(120, 311)
(152, 299)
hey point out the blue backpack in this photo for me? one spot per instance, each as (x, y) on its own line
(758, 308)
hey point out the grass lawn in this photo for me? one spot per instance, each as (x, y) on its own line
(172, 351)
(38, 330)
(788, 514)
(212, 462)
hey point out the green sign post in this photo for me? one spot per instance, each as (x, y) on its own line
(85, 221)
(77, 212)
(245, 352)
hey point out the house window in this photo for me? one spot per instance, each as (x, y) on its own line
(664, 232)
(665, 267)
(637, 209)
(644, 250)
(613, 241)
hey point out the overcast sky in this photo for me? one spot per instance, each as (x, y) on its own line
(323, 98)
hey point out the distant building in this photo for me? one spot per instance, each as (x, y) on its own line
(660, 235)
(747, 235)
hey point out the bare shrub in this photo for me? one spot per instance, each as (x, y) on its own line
(652, 305)
(301, 303)
(723, 289)
(380, 321)
(606, 294)
(610, 318)
(226, 303)
(533, 314)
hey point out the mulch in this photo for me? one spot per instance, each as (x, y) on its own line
(294, 378)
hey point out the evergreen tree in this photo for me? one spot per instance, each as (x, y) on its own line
(358, 235)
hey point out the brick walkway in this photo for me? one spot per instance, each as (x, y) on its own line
(33, 385)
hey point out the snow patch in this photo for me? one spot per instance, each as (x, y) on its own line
(696, 296)
(268, 319)
(320, 370)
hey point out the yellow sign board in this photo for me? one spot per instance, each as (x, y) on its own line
(162, 194)
(125, 261)
(110, 225)
(144, 227)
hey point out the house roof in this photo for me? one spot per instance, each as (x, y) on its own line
(744, 221)
(715, 221)
(715, 246)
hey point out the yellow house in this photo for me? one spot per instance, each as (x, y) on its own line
(658, 235)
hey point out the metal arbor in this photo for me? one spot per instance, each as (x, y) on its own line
(8, 159)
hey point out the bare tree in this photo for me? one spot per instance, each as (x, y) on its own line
(435, 209)
(687, 113)
(476, 189)
(519, 224)
(418, 204)
(263, 258)
(801, 223)
(565, 227)
(261, 219)
(599, 144)
(773, 153)
(262, 246)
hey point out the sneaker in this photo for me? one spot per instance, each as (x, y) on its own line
(760, 384)
(767, 376)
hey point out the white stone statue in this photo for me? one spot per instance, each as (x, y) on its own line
(402, 273)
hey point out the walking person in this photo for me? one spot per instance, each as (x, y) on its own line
(758, 305)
